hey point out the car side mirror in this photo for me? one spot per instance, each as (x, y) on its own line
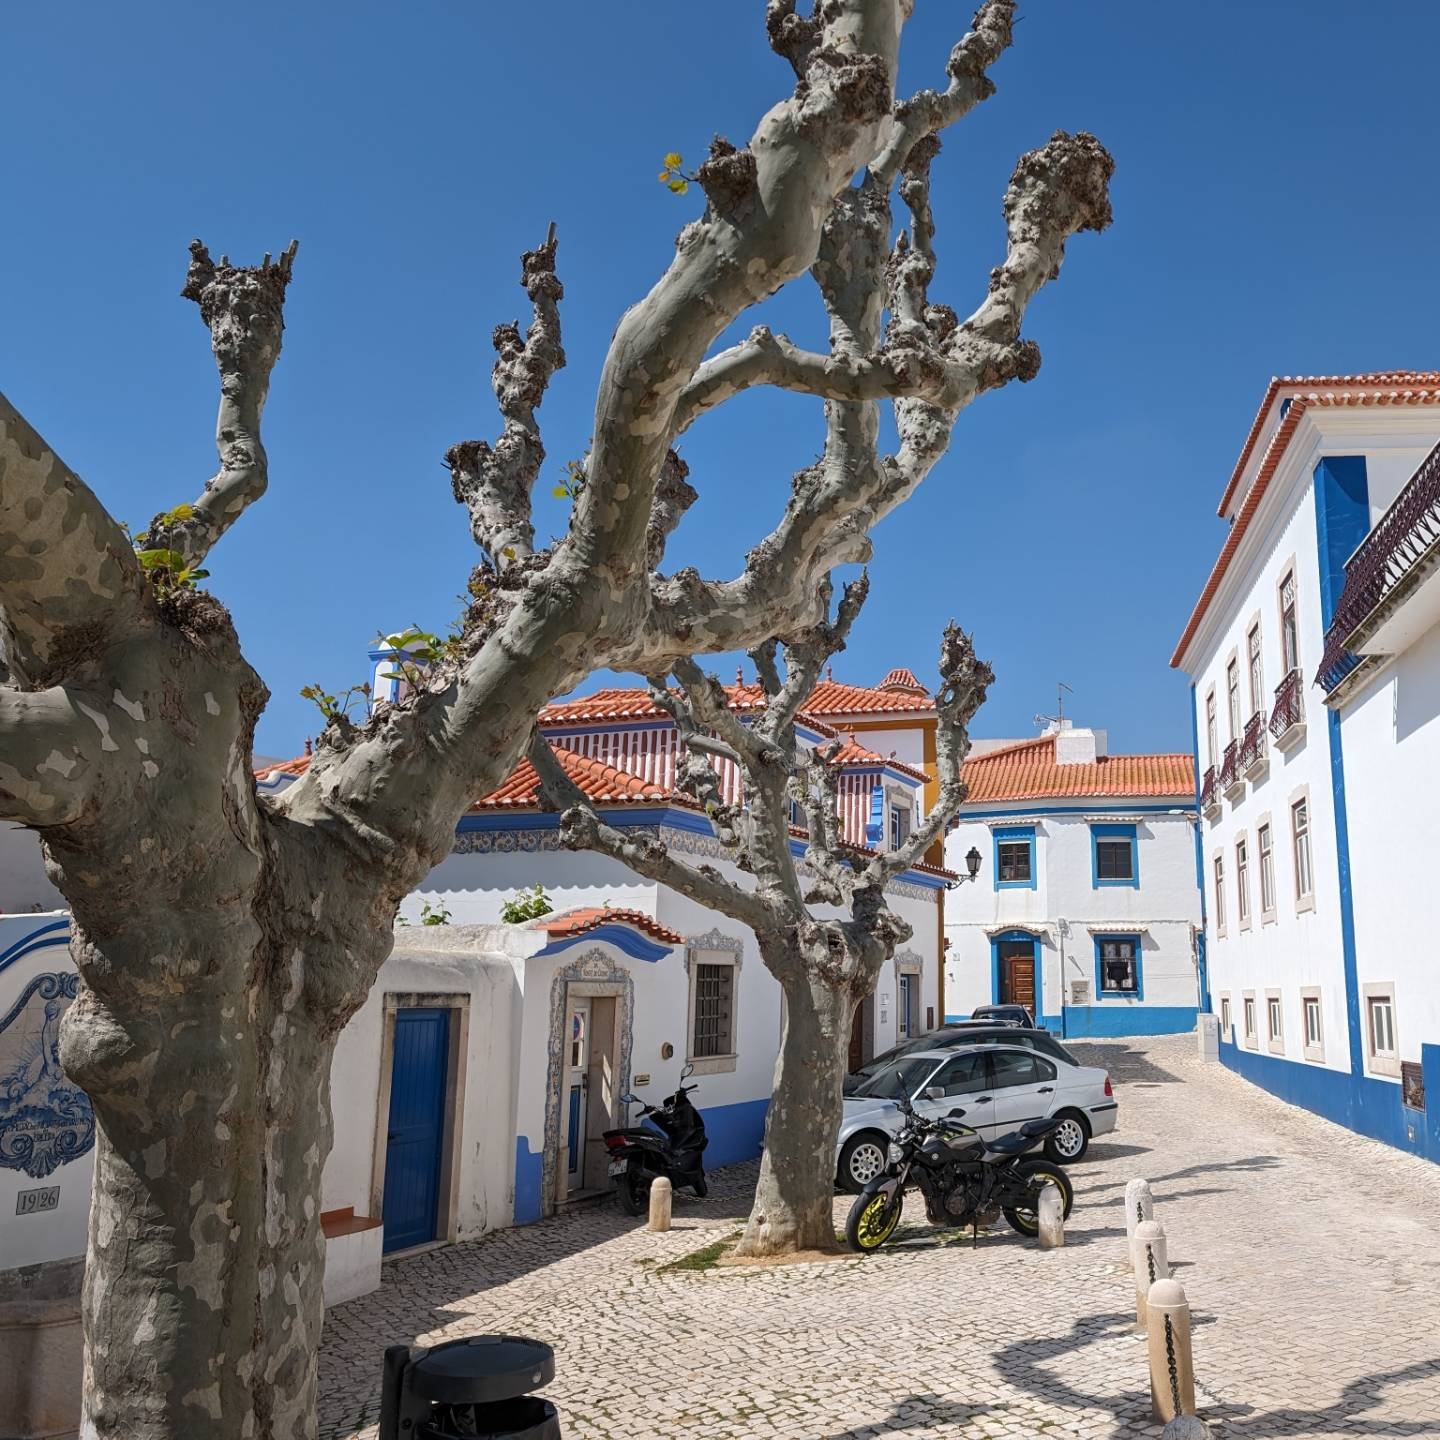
(934, 1092)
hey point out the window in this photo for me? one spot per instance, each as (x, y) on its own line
(1257, 669)
(1265, 847)
(1219, 894)
(1274, 1021)
(1312, 1033)
(1300, 838)
(1009, 1068)
(964, 1075)
(1015, 857)
(1225, 1018)
(1232, 693)
(899, 824)
(1212, 740)
(714, 970)
(1117, 961)
(1114, 860)
(1381, 1048)
(1289, 629)
(1250, 1020)
(1242, 881)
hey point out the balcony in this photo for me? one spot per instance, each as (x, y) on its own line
(1287, 715)
(1209, 793)
(1253, 751)
(1399, 560)
(1232, 782)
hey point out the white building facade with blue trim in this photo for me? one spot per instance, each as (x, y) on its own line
(1315, 656)
(1086, 908)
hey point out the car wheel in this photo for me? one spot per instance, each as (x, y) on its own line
(862, 1158)
(1070, 1140)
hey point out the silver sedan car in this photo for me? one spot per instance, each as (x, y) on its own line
(998, 1087)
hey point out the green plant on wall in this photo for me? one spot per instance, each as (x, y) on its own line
(526, 905)
(435, 914)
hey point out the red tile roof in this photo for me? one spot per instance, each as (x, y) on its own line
(831, 698)
(598, 781)
(1028, 771)
(298, 766)
(1426, 391)
(852, 752)
(592, 917)
(902, 679)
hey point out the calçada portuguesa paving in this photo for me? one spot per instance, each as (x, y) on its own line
(1308, 1255)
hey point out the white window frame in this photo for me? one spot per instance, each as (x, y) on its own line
(1255, 663)
(1227, 1020)
(1275, 1022)
(1379, 1062)
(1250, 1021)
(1288, 659)
(713, 948)
(1265, 865)
(1212, 729)
(914, 972)
(1312, 1050)
(1217, 872)
(898, 804)
(1242, 879)
(1232, 696)
(1304, 900)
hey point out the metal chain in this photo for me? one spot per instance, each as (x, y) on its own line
(1170, 1363)
(1150, 1261)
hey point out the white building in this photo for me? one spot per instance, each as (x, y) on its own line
(1321, 822)
(1085, 908)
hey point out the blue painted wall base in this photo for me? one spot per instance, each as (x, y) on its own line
(1101, 1021)
(1358, 1102)
(529, 1185)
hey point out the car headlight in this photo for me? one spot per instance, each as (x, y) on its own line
(895, 1154)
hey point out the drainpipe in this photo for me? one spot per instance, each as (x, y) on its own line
(1062, 929)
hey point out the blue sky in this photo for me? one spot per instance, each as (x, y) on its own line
(1275, 213)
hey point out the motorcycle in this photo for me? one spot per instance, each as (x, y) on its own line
(670, 1141)
(964, 1179)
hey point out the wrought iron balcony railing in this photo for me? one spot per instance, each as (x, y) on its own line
(1252, 742)
(1209, 792)
(1289, 708)
(1396, 552)
(1230, 765)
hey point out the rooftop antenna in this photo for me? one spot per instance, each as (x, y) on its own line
(1058, 719)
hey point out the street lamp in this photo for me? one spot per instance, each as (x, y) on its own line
(972, 864)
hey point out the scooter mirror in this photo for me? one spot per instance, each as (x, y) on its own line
(687, 1069)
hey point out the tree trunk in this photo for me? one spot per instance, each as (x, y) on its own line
(795, 1195)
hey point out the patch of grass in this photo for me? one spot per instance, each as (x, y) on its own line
(706, 1258)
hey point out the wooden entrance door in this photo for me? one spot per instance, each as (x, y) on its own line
(576, 1093)
(1017, 973)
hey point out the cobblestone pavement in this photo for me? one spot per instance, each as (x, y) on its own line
(1308, 1255)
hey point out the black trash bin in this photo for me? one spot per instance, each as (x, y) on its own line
(475, 1389)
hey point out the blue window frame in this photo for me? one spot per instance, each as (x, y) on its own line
(1119, 967)
(1014, 867)
(1114, 856)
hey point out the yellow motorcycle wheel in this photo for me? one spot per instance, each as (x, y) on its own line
(872, 1220)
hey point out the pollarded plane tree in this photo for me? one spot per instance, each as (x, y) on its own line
(820, 918)
(223, 940)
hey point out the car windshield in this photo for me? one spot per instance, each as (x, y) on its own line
(895, 1080)
(887, 1061)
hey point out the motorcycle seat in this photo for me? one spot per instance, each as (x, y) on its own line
(1034, 1128)
(1011, 1144)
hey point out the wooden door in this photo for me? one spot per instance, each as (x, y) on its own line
(1017, 975)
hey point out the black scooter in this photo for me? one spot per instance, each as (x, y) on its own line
(671, 1143)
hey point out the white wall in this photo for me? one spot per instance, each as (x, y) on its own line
(1164, 906)
(24, 886)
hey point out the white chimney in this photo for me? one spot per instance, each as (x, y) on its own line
(1076, 746)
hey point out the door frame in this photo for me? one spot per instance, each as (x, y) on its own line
(595, 973)
(1018, 936)
(447, 1208)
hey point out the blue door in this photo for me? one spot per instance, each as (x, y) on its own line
(417, 1127)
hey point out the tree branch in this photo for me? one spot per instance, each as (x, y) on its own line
(69, 580)
(243, 308)
(582, 829)
(46, 760)
(496, 483)
(964, 681)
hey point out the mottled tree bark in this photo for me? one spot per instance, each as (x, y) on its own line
(223, 940)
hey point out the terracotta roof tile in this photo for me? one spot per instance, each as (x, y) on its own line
(1426, 392)
(852, 752)
(298, 766)
(592, 917)
(903, 679)
(597, 781)
(1028, 771)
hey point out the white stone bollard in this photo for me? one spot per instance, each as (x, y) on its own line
(1151, 1262)
(1186, 1427)
(662, 1197)
(1051, 1214)
(1172, 1366)
(1139, 1205)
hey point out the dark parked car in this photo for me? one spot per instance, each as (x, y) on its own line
(963, 1032)
(1004, 1015)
